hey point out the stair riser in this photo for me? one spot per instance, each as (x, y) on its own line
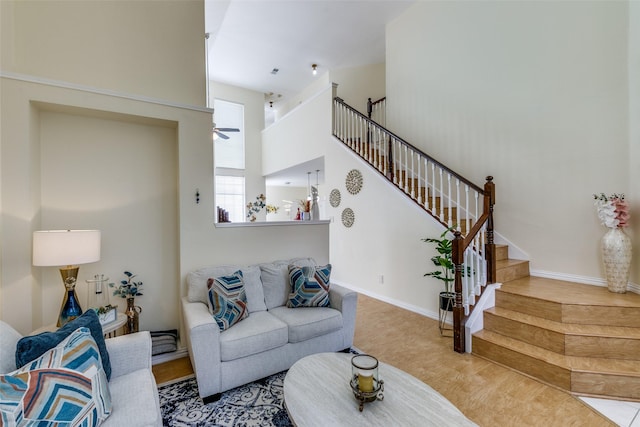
(502, 252)
(611, 386)
(603, 347)
(601, 315)
(532, 306)
(570, 345)
(544, 338)
(512, 272)
(549, 373)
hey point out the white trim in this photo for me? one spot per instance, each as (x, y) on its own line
(475, 322)
(167, 357)
(419, 310)
(594, 281)
(98, 91)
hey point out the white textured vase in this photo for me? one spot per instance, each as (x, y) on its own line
(616, 254)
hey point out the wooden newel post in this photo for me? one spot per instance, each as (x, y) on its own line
(490, 247)
(457, 257)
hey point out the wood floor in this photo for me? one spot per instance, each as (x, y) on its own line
(487, 393)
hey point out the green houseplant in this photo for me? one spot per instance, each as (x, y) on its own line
(444, 262)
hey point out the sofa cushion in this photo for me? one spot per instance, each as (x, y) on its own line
(259, 332)
(64, 386)
(275, 280)
(34, 346)
(309, 286)
(135, 400)
(227, 300)
(308, 322)
(9, 338)
(197, 284)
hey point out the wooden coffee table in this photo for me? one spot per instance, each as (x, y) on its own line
(317, 393)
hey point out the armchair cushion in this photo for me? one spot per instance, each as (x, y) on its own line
(32, 347)
(66, 385)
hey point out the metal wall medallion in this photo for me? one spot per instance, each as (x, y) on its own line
(348, 217)
(334, 198)
(354, 181)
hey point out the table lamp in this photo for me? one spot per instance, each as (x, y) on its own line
(66, 249)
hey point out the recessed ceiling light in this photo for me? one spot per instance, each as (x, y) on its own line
(314, 68)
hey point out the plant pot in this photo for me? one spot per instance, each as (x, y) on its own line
(446, 301)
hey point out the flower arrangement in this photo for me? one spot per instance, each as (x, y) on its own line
(255, 207)
(613, 210)
(127, 287)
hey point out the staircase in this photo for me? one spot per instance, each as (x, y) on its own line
(580, 338)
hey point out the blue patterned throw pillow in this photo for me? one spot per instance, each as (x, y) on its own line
(227, 300)
(33, 346)
(309, 286)
(66, 386)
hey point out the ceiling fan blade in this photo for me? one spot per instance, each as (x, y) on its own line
(228, 129)
(221, 135)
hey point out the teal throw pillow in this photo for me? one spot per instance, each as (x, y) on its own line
(227, 300)
(309, 286)
(66, 386)
(34, 346)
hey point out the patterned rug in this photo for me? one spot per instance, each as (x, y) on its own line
(257, 404)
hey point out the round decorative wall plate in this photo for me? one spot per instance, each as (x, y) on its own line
(334, 198)
(348, 217)
(354, 181)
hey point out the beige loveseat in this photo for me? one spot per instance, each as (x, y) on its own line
(271, 338)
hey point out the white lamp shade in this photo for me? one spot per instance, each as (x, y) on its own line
(65, 247)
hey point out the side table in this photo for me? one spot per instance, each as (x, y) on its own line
(109, 329)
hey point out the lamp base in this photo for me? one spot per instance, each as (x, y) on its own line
(70, 308)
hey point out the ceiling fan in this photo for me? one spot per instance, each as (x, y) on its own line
(218, 131)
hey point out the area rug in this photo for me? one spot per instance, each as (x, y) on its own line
(256, 404)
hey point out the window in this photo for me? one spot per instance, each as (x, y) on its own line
(230, 196)
(229, 159)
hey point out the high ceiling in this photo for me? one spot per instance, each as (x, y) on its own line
(249, 38)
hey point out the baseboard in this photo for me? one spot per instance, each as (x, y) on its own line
(594, 281)
(428, 313)
(167, 357)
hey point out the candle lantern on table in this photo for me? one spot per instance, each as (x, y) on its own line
(365, 382)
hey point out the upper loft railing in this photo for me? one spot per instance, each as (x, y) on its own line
(377, 110)
(451, 199)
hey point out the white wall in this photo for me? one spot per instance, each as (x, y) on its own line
(535, 94)
(357, 84)
(136, 47)
(156, 229)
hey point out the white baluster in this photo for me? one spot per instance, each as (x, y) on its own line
(406, 170)
(450, 221)
(441, 213)
(457, 207)
(433, 188)
(419, 186)
(426, 183)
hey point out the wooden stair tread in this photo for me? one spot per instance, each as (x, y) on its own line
(569, 293)
(567, 328)
(572, 363)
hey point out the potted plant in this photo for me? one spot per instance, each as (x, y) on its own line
(129, 289)
(446, 273)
